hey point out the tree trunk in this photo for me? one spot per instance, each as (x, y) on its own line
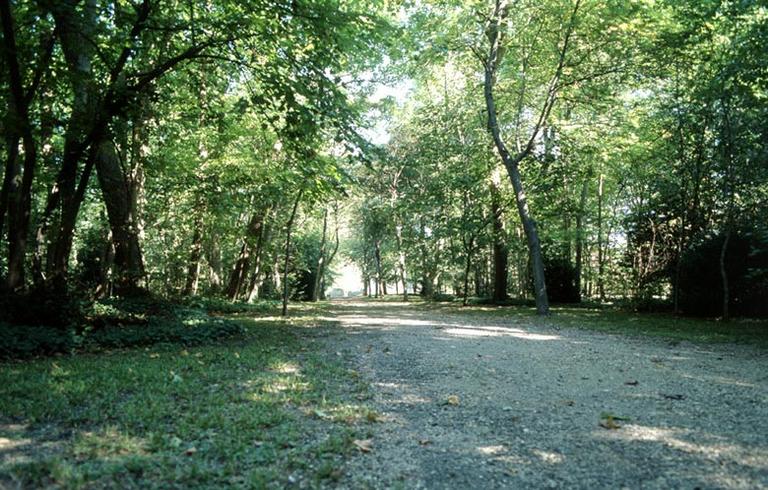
(288, 230)
(320, 267)
(329, 260)
(16, 196)
(121, 199)
(468, 249)
(500, 250)
(242, 266)
(724, 276)
(213, 257)
(401, 260)
(494, 32)
(377, 258)
(195, 254)
(580, 233)
(600, 257)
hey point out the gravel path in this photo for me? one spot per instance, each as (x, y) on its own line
(529, 402)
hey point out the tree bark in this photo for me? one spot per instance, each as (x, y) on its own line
(242, 266)
(121, 200)
(600, 256)
(377, 257)
(16, 196)
(494, 32)
(195, 254)
(288, 230)
(724, 276)
(500, 250)
(580, 233)
(320, 266)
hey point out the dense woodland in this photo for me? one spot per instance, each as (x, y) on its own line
(547, 151)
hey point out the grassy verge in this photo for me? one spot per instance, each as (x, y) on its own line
(265, 410)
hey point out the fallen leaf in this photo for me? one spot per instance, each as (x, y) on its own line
(185, 353)
(673, 397)
(237, 354)
(321, 414)
(452, 400)
(609, 424)
(363, 445)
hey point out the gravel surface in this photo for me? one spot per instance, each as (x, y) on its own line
(478, 401)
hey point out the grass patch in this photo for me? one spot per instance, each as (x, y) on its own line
(241, 413)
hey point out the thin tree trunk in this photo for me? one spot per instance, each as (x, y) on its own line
(320, 267)
(600, 257)
(289, 228)
(377, 257)
(195, 254)
(468, 249)
(500, 250)
(495, 32)
(329, 261)
(724, 276)
(580, 233)
(17, 197)
(243, 263)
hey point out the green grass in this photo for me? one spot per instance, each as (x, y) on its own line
(265, 410)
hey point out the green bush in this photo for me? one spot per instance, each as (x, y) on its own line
(701, 288)
(23, 341)
(118, 323)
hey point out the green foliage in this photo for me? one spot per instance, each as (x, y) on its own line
(746, 265)
(122, 323)
(561, 281)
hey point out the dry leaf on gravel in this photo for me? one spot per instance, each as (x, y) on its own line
(363, 445)
(452, 400)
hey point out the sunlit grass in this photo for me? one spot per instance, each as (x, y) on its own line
(240, 413)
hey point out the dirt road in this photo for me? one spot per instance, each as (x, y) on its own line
(484, 401)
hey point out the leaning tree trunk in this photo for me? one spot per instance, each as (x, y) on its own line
(495, 33)
(529, 225)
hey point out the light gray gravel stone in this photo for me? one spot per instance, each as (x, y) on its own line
(531, 400)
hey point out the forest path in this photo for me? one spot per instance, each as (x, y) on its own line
(531, 400)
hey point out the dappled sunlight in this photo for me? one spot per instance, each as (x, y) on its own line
(497, 332)
(717, 447)
(491, 450)
(106, 443)
(381, 321)
(720, 380)
(549, 456)
(285, 368)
